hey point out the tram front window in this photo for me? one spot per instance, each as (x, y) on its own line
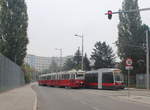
(118, 77)
(79, 76)
(107, 77)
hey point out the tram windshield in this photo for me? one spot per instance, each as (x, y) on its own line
(80, 76)
(118, 76)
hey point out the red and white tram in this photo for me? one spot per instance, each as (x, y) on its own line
(73, 79)
(106, 78)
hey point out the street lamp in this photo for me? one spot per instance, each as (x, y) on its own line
(81, 36)
(60, 57)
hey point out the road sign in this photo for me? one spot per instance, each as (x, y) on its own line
(129, 62)
(129, 67)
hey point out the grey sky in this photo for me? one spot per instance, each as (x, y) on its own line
(53, 23)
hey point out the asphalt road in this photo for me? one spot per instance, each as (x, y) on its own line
(51, 98)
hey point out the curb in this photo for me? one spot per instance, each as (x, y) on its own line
(35, 101)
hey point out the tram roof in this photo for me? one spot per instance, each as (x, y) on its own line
(64, 72)
(103, 69)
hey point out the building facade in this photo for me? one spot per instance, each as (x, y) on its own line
(37, 62)
(41, 64)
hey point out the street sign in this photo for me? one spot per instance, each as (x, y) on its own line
(129, 62)
(129, 67)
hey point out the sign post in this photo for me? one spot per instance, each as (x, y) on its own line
(129, 67)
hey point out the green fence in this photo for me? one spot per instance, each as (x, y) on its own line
(11, 75)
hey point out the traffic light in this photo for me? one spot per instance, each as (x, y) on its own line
(109, 14)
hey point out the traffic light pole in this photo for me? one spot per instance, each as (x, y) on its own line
(130, 11)
(147, 45)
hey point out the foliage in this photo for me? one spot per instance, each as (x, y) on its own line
(69, 64)
(86, 63)
(28, 72)
(102, 55)
(54, 66)
(131, 36)
(77, 59)
(13, 27)
(74, 62)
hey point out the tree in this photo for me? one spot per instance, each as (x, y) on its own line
(69, 64)
(13, 27)
(29, 72)
(131, 35)
(86, 63)
(54, 66)
(102, 56)
(77, 59)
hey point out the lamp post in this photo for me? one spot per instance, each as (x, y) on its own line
(81, 36)
(60, 49)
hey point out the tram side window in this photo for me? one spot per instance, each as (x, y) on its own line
(66, 76)
(48, 77)
(107, 77)
(62, 76)
(72, 76)
(91, 77)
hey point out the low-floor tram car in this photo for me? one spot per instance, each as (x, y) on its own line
(106, 78)
(72, 79)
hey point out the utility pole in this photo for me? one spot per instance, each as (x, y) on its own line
(81, 36)
(147, 59)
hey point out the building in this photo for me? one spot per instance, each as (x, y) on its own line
(41, 63)
(37, 62)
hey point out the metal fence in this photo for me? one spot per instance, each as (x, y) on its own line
(11, 75)
(141, 81)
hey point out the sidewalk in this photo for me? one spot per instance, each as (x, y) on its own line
(138, 95)
(23, 98)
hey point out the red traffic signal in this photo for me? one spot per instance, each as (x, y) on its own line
(109, 14)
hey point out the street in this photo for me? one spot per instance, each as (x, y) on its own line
(52, 98)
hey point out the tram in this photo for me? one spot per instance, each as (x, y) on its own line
(72, 79)
(105, 78)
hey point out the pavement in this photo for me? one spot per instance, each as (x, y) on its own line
(22, 98)
(137, 95)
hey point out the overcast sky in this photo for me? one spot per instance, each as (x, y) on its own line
(53, 23)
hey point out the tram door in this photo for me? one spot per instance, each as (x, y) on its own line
(99, 80)
(107, 80)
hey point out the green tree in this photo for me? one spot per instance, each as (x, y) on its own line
(131, 36)
(102, 56)
(69, 64)
(54, 66)
(77, 59)
(13, 27)
(28, 72)
(86, 63)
